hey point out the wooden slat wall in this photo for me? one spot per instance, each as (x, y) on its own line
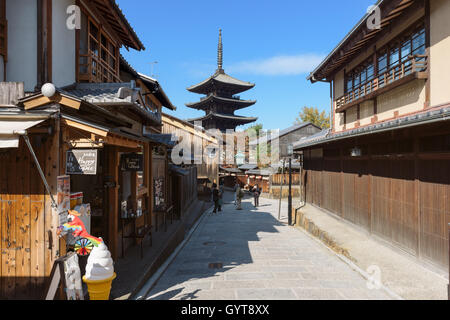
(25, 259)
(381, 195)
(208, 169)
(332, 193)
(435, 209)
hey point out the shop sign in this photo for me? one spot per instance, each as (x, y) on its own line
(63, 201)
(132, 162)
(81, 162)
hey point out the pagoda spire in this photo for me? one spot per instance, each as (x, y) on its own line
(220, 53)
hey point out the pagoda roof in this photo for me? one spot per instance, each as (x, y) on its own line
(221, 79)
(213, 115)
(205, 103)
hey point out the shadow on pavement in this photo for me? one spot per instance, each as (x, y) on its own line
(223, 239)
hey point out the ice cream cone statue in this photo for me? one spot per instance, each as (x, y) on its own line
(99, 273)
(100, 267)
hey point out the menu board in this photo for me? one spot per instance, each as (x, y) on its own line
(81, 162)
(158, 192)
(132, 162)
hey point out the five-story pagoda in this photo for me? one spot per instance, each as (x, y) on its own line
(221, 100)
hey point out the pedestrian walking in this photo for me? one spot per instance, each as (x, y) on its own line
(239, 196)
(216, 199)
(256, 193)
(236, 186)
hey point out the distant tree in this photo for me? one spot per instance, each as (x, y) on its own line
(312, 114)
(257, 127)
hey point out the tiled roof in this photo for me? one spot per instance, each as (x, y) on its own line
(273, 136)
(110, 94)
(165, 139)
(222, 78)
(434, 115)
(226, 117)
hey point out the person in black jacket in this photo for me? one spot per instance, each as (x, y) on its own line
(216, 199)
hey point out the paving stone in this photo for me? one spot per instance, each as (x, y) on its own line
(262, 260)
(265, 294)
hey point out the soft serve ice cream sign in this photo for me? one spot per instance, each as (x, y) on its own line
(99, 273)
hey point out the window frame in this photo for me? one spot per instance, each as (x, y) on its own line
(387, 55)
(102, 55)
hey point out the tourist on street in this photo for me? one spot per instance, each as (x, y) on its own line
(239, 196)
(256, 193)
(236, 186)
(216, 199)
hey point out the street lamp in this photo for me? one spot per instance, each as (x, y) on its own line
(290, 154)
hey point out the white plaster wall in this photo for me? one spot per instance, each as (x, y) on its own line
(406, 99)
(64, 46)
(440, 52)
(352, 117)
(22, 42)
(366, 113)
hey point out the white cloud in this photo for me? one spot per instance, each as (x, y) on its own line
(279, 65)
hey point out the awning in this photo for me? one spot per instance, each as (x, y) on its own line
(11, 130)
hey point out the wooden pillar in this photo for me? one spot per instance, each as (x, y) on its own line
(150, 185)
(44, 37)
(417, 211)
(113, 202)
(51, 171)
(428, 53)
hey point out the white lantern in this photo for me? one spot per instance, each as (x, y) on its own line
(48, 90)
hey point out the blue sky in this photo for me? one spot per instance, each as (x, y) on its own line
(274, 44)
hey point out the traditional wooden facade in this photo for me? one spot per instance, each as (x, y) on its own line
(198, 141)
(384, 165)
(101, 104)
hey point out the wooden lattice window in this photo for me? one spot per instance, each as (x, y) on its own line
(3, 30)
(98, 55)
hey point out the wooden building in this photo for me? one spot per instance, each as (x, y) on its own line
(100, 108)
(197, 140)
(385, 163)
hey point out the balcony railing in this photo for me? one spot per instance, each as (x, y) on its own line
(94, 69)
(414, 67)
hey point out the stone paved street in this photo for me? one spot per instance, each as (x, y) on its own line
(261, 259)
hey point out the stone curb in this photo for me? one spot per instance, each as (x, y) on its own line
(308, 227)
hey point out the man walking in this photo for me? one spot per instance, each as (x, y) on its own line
(256, 194)
(216, 199)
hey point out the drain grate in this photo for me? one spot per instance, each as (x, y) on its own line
(214, 243)
(217, 265)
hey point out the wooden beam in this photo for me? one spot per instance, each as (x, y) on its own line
(41, 100)
(85, 127)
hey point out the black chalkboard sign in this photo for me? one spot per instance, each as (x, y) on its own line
(81, 162)
(132, 162)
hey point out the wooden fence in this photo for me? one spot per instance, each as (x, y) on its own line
(283, 179)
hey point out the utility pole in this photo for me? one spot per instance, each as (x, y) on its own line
(281, 191)
(290, 152)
